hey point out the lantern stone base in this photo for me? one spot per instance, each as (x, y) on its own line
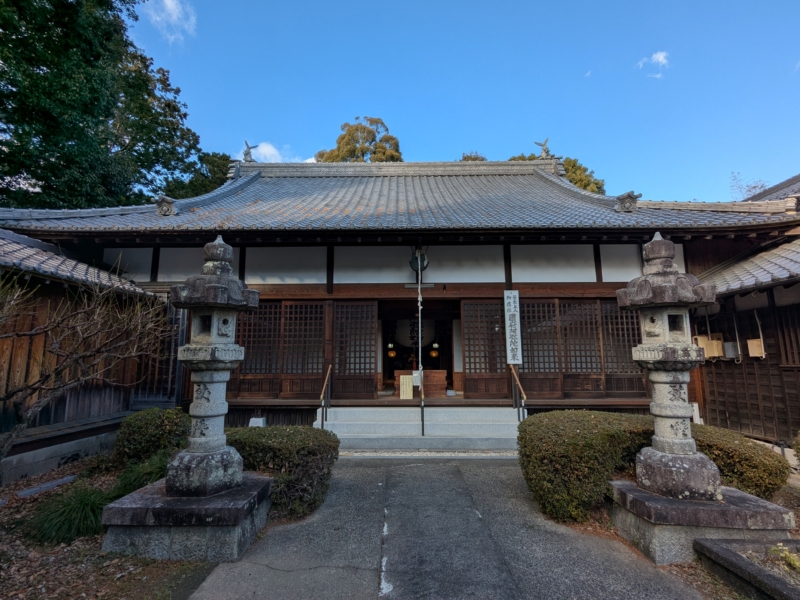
(217, 528)
(664, 529)
(204, 473)
(682, 476)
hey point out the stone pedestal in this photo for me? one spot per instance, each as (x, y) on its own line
(664, 529)
(205, 508)
(216, 528)
(678, 495)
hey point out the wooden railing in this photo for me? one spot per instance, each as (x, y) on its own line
(325, 398)
(518, 394)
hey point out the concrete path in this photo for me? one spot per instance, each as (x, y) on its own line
(433, 528)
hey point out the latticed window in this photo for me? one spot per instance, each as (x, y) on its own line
(484, 337)
(303, 337)
(355, 338)
(259, 331)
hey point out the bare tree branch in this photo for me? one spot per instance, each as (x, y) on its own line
(91, 335)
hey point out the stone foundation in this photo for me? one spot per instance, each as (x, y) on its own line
(664, 529)
(216, 528)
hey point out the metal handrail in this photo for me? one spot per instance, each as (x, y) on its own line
(518, 394)
(325, 398)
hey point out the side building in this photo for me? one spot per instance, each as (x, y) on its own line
(330, 248)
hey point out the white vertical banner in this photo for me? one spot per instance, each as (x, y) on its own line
(513, 341)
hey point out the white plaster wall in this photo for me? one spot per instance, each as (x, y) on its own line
(680, 262)
(553, 263)
(285, 265)
(176, 264)
(458, 353)
(751, 301)
(135, 263)
(620, 262)
(787, 295)
(465, 264)
(373, 264)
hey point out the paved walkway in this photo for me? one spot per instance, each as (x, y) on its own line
(432, 528)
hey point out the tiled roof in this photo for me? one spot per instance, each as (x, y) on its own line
(21, 253)
(790, 187)
(397, 196)
(776, 266)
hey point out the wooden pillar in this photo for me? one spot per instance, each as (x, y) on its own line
(156, 258)
(242, 261)
(329, 271)
(598, 264)
(507, 265)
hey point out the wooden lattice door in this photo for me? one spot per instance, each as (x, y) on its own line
(355, 350)
(541, 372)
(303, 348)
(624, 378)
(582, 348)
(484, 343)
(259, 332)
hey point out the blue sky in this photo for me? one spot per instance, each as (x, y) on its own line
(665, 98)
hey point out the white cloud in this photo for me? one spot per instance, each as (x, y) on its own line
(655, 75)
(659, 59)
(266, 152)
(172, 18)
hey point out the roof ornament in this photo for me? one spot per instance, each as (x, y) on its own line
(545, 150)
(627, 202)
(248, 152)
(165, 206)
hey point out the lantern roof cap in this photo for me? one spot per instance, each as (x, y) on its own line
(662, 284)
(216, 286)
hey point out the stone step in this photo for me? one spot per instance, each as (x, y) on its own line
(347, 428)
(432, 415)
(379, 442)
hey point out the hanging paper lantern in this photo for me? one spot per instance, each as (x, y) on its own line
(434, 353)
(392, 353)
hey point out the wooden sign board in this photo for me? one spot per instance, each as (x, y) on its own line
(406, 387)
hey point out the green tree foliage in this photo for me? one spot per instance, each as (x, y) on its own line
(363, 141)
(210, 172)
(472, 156)
(85, 119)
(577, 174)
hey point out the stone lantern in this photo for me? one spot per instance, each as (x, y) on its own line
(678, 496)
(672, 466)
(206, 508)
(208, 466)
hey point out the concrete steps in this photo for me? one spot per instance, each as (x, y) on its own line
(400, 428)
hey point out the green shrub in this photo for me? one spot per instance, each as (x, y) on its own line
(146, 433)
(69, 515)
(138, 475)
(796, 445)
(743, 463)
(299, 458)
(568, 458)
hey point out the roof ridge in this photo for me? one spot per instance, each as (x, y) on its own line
(772, 189)
(345, 169)
(11, 236)
(763, 206)
(228, 188)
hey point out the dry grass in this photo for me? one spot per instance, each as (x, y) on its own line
(79, 570)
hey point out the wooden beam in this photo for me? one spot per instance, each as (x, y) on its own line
(242, 262)
(154, 263)
(507, 266)
(598, 264)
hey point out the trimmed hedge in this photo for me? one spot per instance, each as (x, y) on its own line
(146, 433)
(568, 458)
(299, 458)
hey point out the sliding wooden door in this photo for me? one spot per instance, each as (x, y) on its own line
(484, 345)
(302, 349)
(355, 350)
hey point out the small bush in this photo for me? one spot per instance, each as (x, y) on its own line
(146, 433)
(796, 445)
(70, 515)
(299, 458)
(568, 458)
(138, 475)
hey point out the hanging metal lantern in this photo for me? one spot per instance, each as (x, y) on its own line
(434, 353)
(391, 353)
